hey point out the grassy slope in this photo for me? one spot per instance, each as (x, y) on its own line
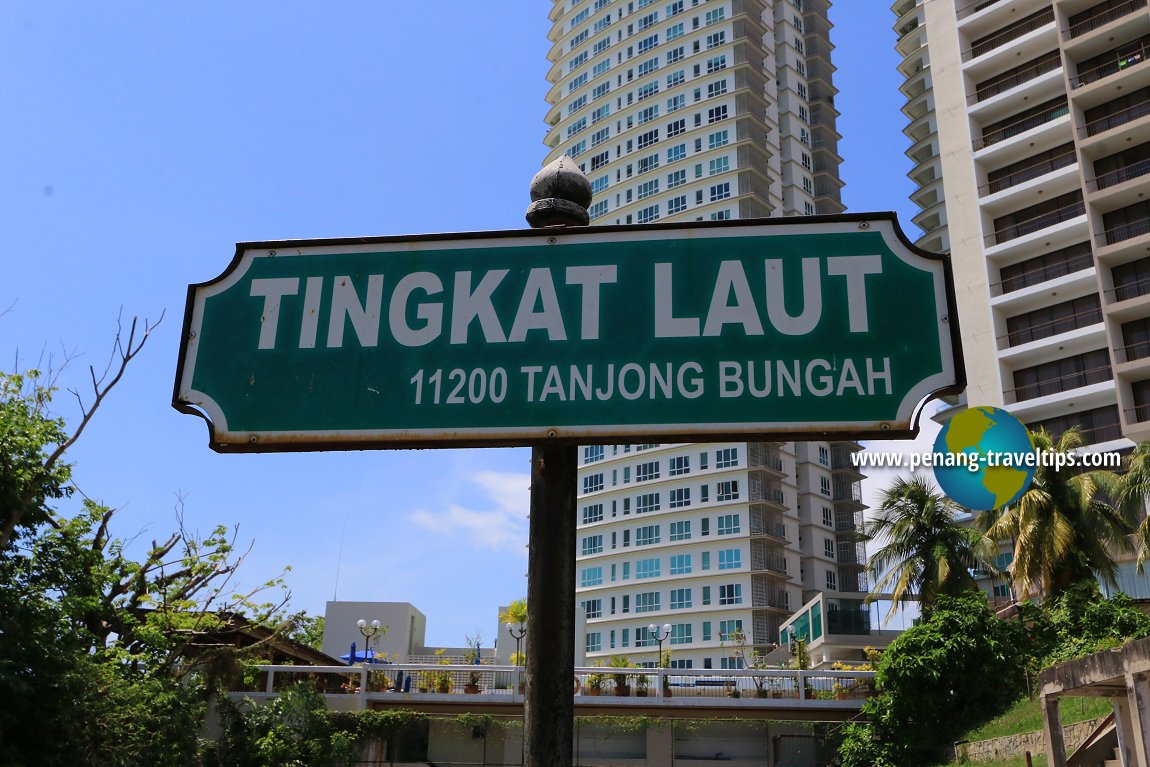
(1026, 716)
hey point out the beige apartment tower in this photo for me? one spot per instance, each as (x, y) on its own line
(1029, 123)
(704, 110)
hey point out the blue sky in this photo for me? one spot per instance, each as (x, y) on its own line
(140, 141)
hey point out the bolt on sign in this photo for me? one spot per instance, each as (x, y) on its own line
(778, 328)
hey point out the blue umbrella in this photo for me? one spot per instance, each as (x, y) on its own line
(361, 656)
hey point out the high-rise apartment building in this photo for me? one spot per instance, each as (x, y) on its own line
(704, 110)
(1030, 130)
(693, 110)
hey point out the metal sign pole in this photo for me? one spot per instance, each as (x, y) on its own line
(560, 194)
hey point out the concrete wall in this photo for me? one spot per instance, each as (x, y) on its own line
(405, 628)
(1034, 742)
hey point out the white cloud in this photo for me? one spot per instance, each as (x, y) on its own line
(500, 522)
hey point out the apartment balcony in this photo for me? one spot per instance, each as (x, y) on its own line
(1087, 397)
(1124, 127)
(1026, 128)
(983, 17)
(769, 523)
(848, 521)
(1058, 384)
(1132, 352)
(1134, 232)
(768, 594)
(1036, 223)
(765, 455)
(846, 491)
(988, 44)
(1122, 62)
(1073, 265)
(842, 458)
(1098, 18)
(1127, 291)
(1029, 173)
(1016, 77)
(767, 558)
(1039, 331)
(1119, 188)
(764, 487)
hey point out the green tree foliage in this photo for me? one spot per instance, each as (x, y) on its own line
(925, 553)
(1063, 529)
(307, 630)
(954, 669)
(1079, 622)
(105, 659)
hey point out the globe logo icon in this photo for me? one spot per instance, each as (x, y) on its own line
(991, 458)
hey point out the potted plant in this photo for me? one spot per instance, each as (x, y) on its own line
(443, 682)
(619, 680)
(641, 684)
(593, 684)
(472, 657)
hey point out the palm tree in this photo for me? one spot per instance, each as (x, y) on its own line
(925, 552)
(1132, 497)
(1063, 528)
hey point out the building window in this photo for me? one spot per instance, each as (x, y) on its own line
(593, 513)
(646, 536)
(648, 90)
(591, 576)
(593, 483)
(598, 209)
(594, 641)
(715, 114)
(679, 497)
(674, 32)
(1001, 590)
(731, 594)
(648, 66)
(716, 39)
(646, 602)
(828, 548)
(678, 178)
(647, 568)
(720, 191)
(730, 559)
(825, 485)
(727, 490)
(676, 153)
(592, 454)
(594, 608)
(681, 531)
(718, 165)
(726, 458)
(713, 17)
(680, 564)
(676, 127)
(681, 633)
(592, 544)
(728, 524)
(832, 580)
(706, 595)
(706, 560)
(707, 638)
(650, 469)
(729, 629)
(646, 189)
(716, 89)
(647, 502)
(717, 139)
(646, 44)
(648, 163)
(680, 599)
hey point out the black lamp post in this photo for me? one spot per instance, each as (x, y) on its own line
(368, 630)
(660, 636)
(518, 635)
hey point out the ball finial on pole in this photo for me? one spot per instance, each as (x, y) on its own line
(560, 194)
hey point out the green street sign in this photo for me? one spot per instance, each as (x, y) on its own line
(778, 328)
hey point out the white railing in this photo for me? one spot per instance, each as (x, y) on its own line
(612, 686)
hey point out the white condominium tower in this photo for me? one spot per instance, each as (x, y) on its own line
(1030, 130)
(704, 110)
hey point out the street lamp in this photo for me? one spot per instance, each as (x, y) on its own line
(368, 630)
(660, 637)
(518, 635)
